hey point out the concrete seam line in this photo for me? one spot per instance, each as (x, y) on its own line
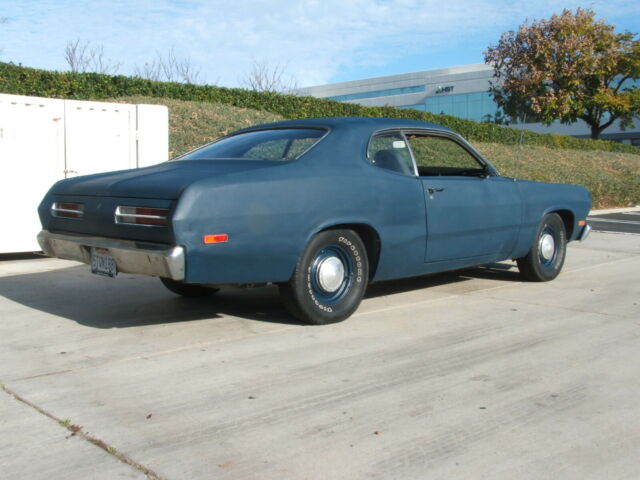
(404, 305)
(591, 267)
(77, 430)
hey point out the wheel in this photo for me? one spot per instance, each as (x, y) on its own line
(546, 257)
(329, 279)
(188, 289)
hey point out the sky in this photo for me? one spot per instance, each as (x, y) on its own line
(314, 41)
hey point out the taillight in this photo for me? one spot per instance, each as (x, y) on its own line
(67, 210)
(151, 217)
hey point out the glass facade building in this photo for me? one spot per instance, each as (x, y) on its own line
(377, 93)
(458, 91)
(477, 106)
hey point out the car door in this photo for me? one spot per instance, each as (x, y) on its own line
(470, 211)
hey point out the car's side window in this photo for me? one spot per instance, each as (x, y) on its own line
(437, 155)
(270, 150)
(390, 151)
(281, 149)
(298, 146)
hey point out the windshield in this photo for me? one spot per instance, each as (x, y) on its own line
(277, 144)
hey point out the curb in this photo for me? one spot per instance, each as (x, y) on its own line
(615, 210)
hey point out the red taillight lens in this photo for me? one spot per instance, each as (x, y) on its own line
(154, 217)
(67, 209)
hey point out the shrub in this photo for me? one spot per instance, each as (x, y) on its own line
(20, 80)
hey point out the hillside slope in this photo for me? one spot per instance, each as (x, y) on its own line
(613, 178)
(192, 124)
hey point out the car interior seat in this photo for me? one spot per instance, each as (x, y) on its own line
(391, 160)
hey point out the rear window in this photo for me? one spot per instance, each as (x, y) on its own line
(278, 144)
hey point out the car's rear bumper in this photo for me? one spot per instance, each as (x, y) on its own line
(130, 256)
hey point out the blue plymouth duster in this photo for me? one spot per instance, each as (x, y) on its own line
(320, 207)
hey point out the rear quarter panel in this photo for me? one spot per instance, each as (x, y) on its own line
(540, 198)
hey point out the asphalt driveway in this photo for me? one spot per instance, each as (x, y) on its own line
(618, 222)
(471, 374)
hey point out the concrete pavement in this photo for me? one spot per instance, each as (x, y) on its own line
(471, 374)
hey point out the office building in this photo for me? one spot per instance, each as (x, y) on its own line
(459, 91)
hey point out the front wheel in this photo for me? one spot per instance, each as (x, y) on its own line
(329, 279)
(546, 257)
(188, 289)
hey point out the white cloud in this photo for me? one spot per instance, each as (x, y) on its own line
(315, 39)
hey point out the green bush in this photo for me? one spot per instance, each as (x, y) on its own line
(20, 80)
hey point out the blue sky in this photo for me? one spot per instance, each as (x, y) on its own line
(319, 41)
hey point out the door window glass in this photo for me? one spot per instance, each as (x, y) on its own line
(442, 157)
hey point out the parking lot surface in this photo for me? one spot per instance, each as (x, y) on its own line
(471, 374)
(619, 221)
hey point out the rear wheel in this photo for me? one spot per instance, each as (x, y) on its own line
(188, 289)
(546, 257)
(329, 279)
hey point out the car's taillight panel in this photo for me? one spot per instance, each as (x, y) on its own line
(146, 216)
(68, 210)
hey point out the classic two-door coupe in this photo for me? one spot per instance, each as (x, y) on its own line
(320, 207)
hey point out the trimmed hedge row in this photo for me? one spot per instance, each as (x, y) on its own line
(93, 86)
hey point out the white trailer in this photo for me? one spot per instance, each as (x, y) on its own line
(43, 140)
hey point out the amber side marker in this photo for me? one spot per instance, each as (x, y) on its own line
(582, 223)
(216, 238)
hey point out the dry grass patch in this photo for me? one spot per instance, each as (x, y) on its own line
(612, 178)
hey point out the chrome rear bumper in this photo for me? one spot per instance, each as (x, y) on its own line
(130, 256)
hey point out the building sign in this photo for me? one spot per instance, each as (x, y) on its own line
(447, 89)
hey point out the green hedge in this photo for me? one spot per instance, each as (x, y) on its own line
(92, 86)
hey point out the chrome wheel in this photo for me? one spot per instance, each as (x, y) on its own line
(331, 274)
(545, 257)
(547, 247)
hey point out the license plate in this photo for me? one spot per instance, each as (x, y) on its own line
(102, 263)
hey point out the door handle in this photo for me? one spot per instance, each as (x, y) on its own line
(434, 190)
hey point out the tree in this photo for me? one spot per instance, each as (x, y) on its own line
(499, 118)
(264, 78)
(567, 68)
(82, 57)
(169, 68)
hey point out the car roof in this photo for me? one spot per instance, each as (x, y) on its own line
(359, 123)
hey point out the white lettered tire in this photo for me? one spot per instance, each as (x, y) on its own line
(329, 280)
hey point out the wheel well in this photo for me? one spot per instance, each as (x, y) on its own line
(568, 220)
(371, 241)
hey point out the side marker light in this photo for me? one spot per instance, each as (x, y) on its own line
(215, 238)
(582, 223)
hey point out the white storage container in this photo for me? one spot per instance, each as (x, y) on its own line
(43, 140)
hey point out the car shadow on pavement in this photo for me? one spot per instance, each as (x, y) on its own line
(494, 271)
(133, 301)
